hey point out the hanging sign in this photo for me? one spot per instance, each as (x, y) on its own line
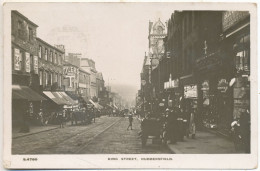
(190, 91)
(222, 85)
(35, 64)
(17, 59)
(27, 62)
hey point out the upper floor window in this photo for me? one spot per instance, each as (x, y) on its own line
(60, 58)
(55, 58)
(30, 34)
(40, 51)
(40, 77)
(51, 55)
(46, 54)
(20, 29)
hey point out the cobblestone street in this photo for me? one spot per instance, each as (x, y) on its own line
(107, 136)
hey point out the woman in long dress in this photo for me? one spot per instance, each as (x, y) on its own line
(192, 126)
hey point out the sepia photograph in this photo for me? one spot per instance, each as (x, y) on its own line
(147, 83)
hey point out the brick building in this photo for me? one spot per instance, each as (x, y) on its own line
(25, 81)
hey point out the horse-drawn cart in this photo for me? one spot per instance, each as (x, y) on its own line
(152, 128)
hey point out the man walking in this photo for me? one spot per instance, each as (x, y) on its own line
(130, 118)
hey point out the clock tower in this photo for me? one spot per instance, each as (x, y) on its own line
(157, 32)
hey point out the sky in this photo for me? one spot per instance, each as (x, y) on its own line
(114, 35)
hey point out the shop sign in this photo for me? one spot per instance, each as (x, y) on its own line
(70, 70)
(205, 85)
(27, 62)
(190, 91)
(222, 85)
(241, 92)
(231, 18)
(171, 84)
(35, 61)
(17, 59)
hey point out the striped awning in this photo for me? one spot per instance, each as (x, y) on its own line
(56, 98)
(25, 93)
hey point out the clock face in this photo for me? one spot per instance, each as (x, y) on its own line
(159, 30)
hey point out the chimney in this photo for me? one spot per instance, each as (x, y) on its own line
(61, 47)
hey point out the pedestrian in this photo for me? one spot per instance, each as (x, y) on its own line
(25, 124)
(172, 127)
(192, 126)
(130, 118)
(60, 118)
(245, 129)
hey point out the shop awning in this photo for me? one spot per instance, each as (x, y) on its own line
(110, 106)
(85, 99)
(70, 100)
(100, 106)
(91, 101)
(56, 98)
(115, 106)
(96, 105)
(72, 95)
(24, 92)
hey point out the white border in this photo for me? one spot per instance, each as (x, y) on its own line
(180, 161)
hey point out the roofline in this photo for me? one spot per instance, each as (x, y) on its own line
(67, 63)
(21, 15)
(80, 69)
(39, 39)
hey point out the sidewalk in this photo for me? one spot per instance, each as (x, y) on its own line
(36, 129)
(33, 130)
(204, 143)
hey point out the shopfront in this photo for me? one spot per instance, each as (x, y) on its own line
(190, 94)
(236, 43)
(215, 101)
(172, 92)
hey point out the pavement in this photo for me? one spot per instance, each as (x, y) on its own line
(204, 143)
(33, 130)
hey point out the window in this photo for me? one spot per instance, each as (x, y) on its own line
(46, 54)
(30, 34)
(31, 62)
(40, 51)
(55, 58)
(20, 29)
(51, 55)
(49, 79)
(60, 79)
(56, 78)
(46, 78)
(61, 60)
(40, 77)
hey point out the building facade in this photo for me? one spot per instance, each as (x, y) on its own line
(89, 66)
(206, 65)
(25, 80)
(50, 66)
(84, 82)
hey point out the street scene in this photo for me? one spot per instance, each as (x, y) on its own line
(107, 82)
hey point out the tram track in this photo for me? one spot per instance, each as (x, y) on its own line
(73, 144)
(91, 139)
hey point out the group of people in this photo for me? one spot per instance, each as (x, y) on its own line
(179, 123)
